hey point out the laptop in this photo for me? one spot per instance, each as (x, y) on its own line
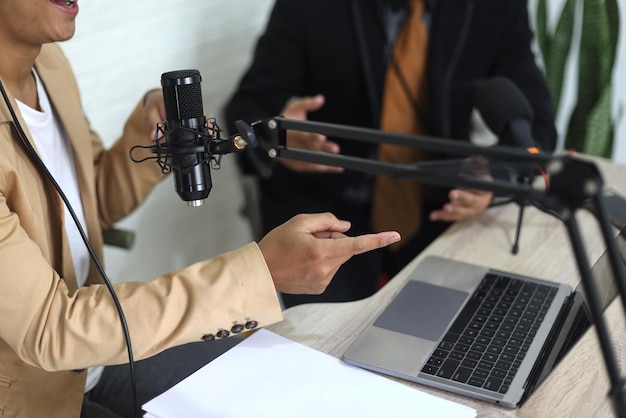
(475, 331)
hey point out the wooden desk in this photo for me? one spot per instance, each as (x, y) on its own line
(579, 385)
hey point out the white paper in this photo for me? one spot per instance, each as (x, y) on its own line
(267, 375)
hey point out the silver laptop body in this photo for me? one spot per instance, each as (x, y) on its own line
(412, 338)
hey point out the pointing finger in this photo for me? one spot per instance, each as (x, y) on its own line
(349, 246)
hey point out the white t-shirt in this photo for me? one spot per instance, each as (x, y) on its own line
(55, 151)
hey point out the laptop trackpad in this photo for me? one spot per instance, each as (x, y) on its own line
(422, 310)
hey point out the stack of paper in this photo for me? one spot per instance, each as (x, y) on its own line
(267, 375)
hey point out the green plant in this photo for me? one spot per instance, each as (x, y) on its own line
(590, 127)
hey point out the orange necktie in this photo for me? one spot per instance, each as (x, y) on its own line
(397, 204)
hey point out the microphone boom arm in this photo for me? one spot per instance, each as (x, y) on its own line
(270, 135)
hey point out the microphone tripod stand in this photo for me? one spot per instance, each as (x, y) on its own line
(518, 228)
(574, 184)
(522, 203)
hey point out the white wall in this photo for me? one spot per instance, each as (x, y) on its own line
(119, 53)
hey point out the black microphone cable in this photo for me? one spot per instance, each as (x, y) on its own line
(83, 235)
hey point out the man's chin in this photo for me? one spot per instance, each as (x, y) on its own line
(65, 35)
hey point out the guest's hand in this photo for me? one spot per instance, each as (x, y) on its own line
(464, 204)
(298, 108)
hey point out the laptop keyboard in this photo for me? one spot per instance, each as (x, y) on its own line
(488, 341)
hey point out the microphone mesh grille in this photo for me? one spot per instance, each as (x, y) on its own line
(182, 94)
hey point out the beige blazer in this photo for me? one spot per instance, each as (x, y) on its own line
(48, 327)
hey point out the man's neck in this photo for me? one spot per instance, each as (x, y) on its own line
(16, 71)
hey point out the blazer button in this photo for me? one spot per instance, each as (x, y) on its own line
(236, 329)
(222, 333)
(251, 324)
(208, 337)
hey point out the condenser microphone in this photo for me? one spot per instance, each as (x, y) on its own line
(507, 112)
(186, 144)
(186, 130)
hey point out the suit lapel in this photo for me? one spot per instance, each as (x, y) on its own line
(67, 106)
(371, 38)
(450, 19)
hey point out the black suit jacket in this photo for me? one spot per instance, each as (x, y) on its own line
(337, 48)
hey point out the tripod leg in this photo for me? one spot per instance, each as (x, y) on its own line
(518, 229)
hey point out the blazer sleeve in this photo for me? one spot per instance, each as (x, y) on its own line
(117, 175)
(55, 329)
(276, 69)
(275, 74)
